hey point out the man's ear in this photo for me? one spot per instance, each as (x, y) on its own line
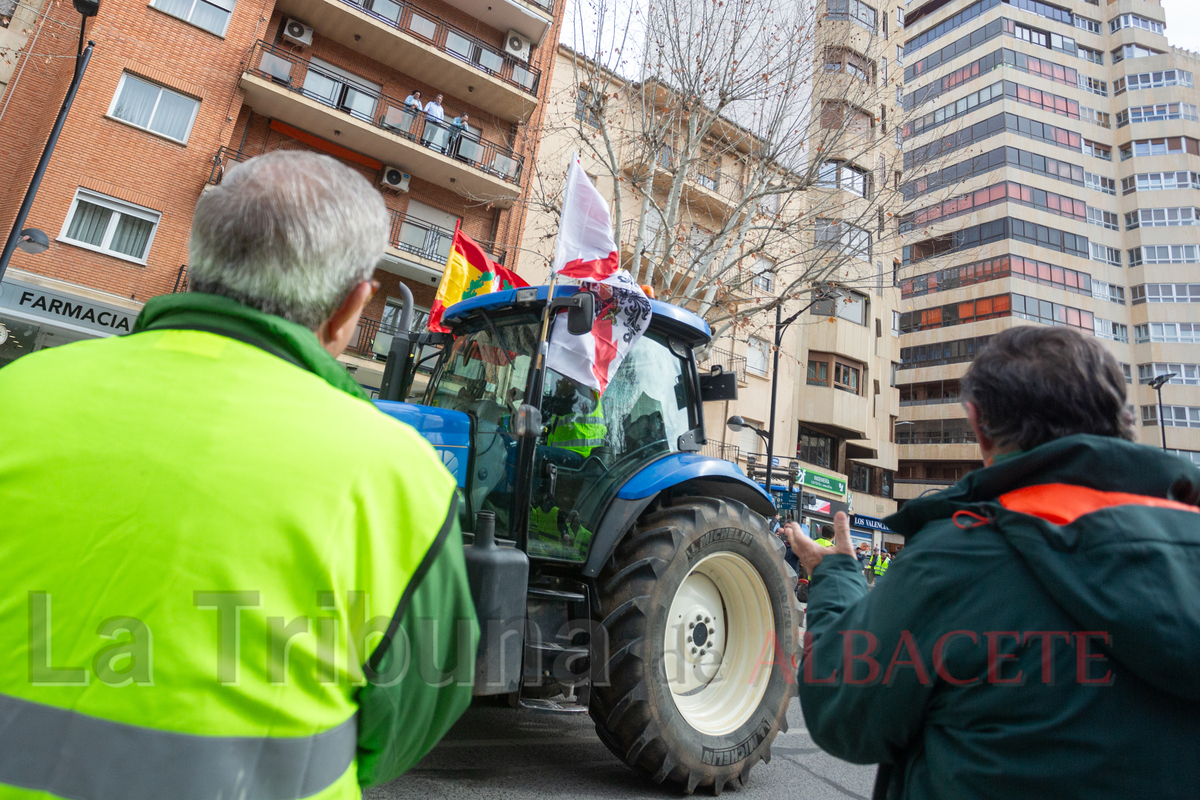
(973, 415)
(336, 331)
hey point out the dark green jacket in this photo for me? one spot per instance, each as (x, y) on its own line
(1008, 581)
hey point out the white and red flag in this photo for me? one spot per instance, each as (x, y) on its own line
(585, 248)
(586, 251)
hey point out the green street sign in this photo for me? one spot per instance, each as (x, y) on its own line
(818, 480)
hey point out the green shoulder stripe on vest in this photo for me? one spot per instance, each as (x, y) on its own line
(68, 754)
(371, 668)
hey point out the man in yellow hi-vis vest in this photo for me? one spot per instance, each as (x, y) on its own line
(580, 429)
(226, 574)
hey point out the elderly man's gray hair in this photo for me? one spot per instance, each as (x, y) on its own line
(289, 233)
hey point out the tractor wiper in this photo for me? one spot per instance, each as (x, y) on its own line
(496, 334)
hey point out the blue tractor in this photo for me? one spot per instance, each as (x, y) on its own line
(614, 568)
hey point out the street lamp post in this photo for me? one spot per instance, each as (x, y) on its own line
(826, 292)
(1156, 385)
(86, 8)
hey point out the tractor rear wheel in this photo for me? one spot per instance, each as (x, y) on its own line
(697, 604)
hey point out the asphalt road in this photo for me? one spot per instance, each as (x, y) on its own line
(501, 754)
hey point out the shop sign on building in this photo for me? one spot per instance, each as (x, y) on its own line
(52, 306)
(869, 524)
(821, 482)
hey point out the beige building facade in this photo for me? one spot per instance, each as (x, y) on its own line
(1051, 176)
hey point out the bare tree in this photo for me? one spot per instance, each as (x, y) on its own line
(750, 144)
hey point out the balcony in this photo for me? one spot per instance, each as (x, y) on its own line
(417, 43)
(727, 361)
(284, 87)
(714, 192)
(530, 17)
(728, 452)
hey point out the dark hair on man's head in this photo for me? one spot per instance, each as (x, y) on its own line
(1033, 385)
(827, 532)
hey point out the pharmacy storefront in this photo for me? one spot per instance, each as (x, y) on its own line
(38, 312)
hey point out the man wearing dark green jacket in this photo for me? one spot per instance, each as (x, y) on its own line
(1039, 634)
(226, 574)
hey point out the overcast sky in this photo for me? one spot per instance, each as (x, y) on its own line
(1183, 23)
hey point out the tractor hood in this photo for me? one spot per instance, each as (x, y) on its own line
(448, 431)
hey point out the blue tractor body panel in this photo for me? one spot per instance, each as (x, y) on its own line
(679, 467)
(448, 431)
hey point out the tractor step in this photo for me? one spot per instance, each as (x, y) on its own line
(559, 706)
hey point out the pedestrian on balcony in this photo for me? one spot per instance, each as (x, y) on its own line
(435, 136)
(219, 471)
(434, 110)
(1039, 634)
(414, 100)
(458, 127)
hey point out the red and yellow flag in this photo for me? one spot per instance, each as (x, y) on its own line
(469, 272)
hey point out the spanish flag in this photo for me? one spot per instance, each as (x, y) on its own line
(469, 272)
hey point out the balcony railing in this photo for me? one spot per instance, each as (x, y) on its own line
(729, 452)
(453, 41)
(714, 180)
(430, 241)
(930, 401)
(925, 481)
(726, 360)
(222, 161)
(935, 437)
(386, 113)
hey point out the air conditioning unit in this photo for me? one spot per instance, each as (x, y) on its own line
(297, 32)
(395, 179)
(517, 45)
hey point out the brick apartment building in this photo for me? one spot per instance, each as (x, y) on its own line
(179, 90)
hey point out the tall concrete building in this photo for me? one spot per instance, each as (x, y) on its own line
(1052, 177)
(178, 91)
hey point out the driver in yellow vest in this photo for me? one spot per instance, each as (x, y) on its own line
(582, 428)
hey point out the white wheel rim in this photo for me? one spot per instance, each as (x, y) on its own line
(719, 624)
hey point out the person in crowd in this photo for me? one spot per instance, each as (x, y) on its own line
(879, 564)
(826, 537)
(1040, 631)
(863, 554)
(211, 492)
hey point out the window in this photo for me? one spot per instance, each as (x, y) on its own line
(1132, 21)
(843, 175)
(1098, 118)
(345, 91)
(1152, 80)
(846, 377)
(211, 16)
(850, 239)
(1093, 85)
(151, 107)
(1108, 291)
(895, 325)
(1133, 51)
(764, 277)
(749, 441)
(1157, 181)
(1100, 183)
(860, 477)
(843, 59)
(1105, 219)
(585, 108)
(756, 357)
(1163, 254)
(1162, 217)
(1156, 113)
(851, 307)
(1167, 333)
(108, 225)
(1185, 374)
(854, 11)
(1085, 24)
(1165, 293)
(1097, 150)
(818, 372)
(1106, 255)
(836, 115)
(1127, 371)
(1173, 416)
(816, 448)
(1088, 54)
(1113, 331)
(993, 269)
(949, 24)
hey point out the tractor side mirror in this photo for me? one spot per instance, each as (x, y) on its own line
(718, 385)
(527, 421)
(581, 311)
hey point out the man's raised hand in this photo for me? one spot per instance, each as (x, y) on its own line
(809, 552)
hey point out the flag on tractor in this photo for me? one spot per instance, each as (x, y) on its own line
(586, 251)
(469, 272)
(585, 248)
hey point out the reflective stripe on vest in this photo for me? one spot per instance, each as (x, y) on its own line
(68, 754)
(579, 432)
(1063, 503)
